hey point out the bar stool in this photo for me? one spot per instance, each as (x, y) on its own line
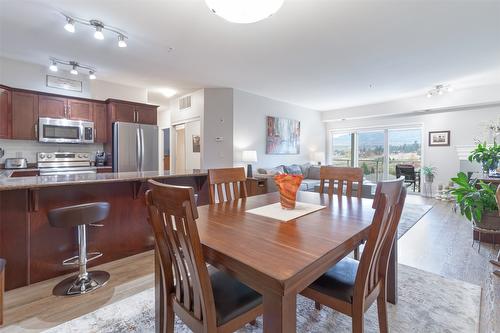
(80, 216)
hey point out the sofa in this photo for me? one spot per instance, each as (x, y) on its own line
(311, 179)
(310, 172)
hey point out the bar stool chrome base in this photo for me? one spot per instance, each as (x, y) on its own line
(74, 285)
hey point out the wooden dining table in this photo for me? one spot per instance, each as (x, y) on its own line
(280, 259)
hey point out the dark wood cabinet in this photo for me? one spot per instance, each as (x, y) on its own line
(80, 110)
(256, 186)
(132, 112)
(5, 113)
(100, 123)
(24, 116)
(52, 106)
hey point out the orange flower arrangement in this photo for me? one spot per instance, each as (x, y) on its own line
(288, 186)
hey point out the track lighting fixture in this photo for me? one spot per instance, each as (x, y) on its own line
(439, 89)
(74, 67)
(99, 28)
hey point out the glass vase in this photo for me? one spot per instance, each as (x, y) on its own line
(288, 185)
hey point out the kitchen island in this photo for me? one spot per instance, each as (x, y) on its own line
(34, 250)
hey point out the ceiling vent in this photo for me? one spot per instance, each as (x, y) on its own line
(185, 102)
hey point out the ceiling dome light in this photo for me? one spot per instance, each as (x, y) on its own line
(244, 11)
(98, 33)
(92, 75)
(121, 41)
(73, 70)
(53, 66)
(70, 25)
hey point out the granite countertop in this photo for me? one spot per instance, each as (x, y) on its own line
(16, 183)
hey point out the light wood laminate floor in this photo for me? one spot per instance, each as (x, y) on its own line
(440, 243)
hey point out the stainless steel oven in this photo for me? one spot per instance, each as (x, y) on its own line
(65, 131)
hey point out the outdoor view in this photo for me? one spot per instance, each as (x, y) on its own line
(404, 147)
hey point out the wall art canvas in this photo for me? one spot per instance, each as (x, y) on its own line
(196, 144)
(283, 136)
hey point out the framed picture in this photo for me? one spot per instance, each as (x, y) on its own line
(283, 136)
(63, 83)
(439, 138)
(196, 144)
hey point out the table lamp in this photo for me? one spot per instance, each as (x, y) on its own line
(249, 156)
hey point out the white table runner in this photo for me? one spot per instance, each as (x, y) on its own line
(275, 211)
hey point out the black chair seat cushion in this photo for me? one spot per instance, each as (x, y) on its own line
(71, 216)
(338, 282)
(232, 298)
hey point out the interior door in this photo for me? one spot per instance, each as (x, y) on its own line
(180, 148)
(80, 110)
(24, 116)
(125, 147)
(52, 107)
(149, 147)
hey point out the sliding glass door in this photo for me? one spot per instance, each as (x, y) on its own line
(379, 152)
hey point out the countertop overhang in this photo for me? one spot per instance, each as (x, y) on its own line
(18, 183)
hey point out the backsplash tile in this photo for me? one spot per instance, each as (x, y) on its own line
(28, 149)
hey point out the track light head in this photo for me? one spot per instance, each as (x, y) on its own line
(98, 33)
(92, 75)
(73, 70)
(70, 24)
(53, 66)
(121, 41)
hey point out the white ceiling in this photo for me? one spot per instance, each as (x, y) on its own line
(320, 54)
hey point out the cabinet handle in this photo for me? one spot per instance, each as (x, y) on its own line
(137, 112)
(36, 131)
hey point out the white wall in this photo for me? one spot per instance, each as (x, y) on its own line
(218, 123)
(465, 127)
(250, 113)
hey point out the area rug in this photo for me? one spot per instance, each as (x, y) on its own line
(427, 303)
(412, 213)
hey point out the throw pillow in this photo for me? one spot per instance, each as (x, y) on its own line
(305, 169)
(262, 171)
(314, 172)
(293, 169)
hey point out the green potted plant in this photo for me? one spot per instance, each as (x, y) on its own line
(429, 173)
(477, 202)
(488, 156)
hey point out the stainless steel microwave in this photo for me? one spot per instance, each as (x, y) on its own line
(65, 131)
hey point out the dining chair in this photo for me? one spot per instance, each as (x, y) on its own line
(2, 287)
(205, 299)
(341, 175)
(408, 172)
(352, 286)
(229, 184)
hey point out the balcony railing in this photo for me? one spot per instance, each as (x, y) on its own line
(374, 168)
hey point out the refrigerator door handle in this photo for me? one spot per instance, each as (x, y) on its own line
(142, 148)
(138, 148)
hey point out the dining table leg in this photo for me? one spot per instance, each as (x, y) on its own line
(280, 313)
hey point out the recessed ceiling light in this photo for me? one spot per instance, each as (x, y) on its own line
(244, 11)
(70, 24)
(168, 92)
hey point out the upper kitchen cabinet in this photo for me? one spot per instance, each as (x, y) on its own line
(132, 112)
(59, 107)
(24, 116)
(5, 113)
(100, 123)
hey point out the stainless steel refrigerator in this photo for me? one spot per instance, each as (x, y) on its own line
(135, 147)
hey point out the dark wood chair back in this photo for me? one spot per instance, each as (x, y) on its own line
(2, 287)
(388, 203)
(226, 184)
(172, 213)
(341, 175)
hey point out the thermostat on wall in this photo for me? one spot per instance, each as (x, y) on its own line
(219, 139)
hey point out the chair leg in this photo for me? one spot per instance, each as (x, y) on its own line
(358, 321)
(169, 317)
(382, 313)
(317, 305)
